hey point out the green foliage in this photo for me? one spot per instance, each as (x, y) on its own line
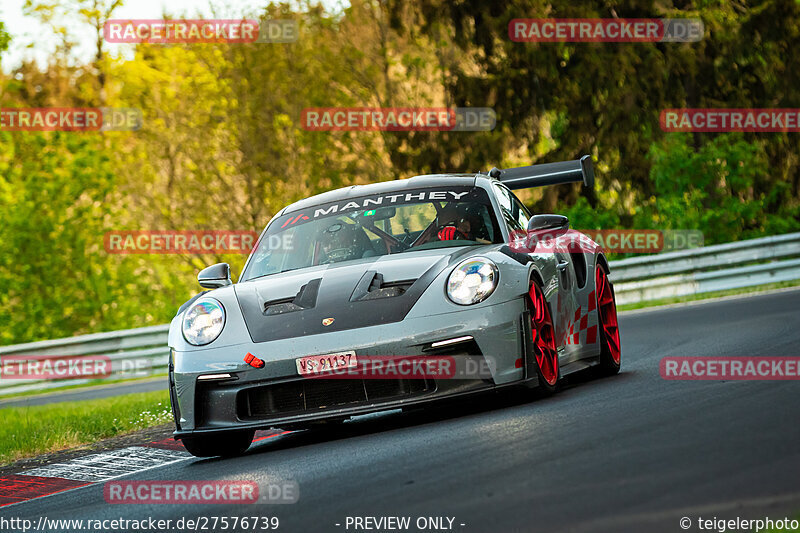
(583, 216)
(607, 97)
(714, 188)
(5, 38)
(57, 192)
(222, 146)
(30, 431)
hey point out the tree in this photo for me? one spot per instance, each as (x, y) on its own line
(93, 12)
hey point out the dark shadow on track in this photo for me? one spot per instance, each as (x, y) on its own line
(440, 411)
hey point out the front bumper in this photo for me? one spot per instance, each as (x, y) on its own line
(276, 396)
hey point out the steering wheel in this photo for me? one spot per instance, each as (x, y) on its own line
(454, 235)
(336, 255)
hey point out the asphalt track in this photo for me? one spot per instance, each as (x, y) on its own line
(629, 453)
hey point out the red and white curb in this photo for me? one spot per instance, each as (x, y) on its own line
(96, 468)
(109, 465)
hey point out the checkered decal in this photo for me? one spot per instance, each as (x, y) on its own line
(571, 332)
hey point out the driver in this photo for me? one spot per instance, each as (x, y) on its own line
(342, 242)
(454, 224)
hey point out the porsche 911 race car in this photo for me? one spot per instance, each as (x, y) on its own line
(391, 295)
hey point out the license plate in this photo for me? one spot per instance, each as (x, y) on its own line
(316, 364)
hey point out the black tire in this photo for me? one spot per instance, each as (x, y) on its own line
(607, 365)
(228, 444)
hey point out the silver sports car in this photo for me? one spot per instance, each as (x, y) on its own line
(387, 296)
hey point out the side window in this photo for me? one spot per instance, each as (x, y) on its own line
(522, 213)
(515, 214)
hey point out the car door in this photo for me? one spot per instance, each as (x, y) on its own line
(556, 265)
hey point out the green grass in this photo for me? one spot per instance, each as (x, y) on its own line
(708, 295)
(30, 431)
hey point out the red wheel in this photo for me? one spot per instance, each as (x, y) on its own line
(544, 340)
(610, 348)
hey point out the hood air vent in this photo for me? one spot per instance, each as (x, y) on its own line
(372, 287)
(306, 298)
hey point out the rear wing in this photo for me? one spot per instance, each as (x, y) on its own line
(547, 174)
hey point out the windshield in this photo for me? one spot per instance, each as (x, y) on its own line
(371, 226)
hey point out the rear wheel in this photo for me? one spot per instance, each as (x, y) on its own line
(544, 341)
(220, 445)
(610, 348)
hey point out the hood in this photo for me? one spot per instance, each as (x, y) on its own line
(341, 296)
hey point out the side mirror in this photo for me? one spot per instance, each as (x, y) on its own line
(543, 227)
(558, 223)
(215, 276)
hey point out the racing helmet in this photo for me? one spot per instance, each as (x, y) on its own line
(341, 242)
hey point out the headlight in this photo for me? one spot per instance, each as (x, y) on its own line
(472, 281)
(203, 321)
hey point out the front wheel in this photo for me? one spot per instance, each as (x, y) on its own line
(610, 348)
(544, 341)
(220, 445)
